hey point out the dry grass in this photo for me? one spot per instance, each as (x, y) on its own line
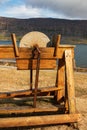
(11, 80)
(80, 83)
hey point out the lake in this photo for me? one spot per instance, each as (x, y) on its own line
(80, 54)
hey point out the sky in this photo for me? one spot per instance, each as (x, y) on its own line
(65, 9)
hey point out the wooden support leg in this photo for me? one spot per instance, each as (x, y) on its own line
(70, 81)
(60, 79)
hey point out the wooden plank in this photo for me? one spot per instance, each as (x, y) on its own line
(38, 120)
(25, 110)
(25, 64)
(70, 81)
(7, 52)
(46, 53)
(60, 78)
(27, 92)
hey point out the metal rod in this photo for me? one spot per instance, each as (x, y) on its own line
(31, 74)
(37, 76)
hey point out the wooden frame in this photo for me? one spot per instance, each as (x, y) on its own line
(63, 91)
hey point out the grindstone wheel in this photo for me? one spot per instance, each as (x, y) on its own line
(33, 38)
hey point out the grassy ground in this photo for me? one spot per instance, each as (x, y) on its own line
(11, 80)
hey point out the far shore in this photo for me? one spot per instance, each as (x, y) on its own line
(79, 69)
(64, 39)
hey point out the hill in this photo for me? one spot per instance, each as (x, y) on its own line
(49, 26)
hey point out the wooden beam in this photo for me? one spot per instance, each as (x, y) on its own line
(70, 81)
(25, 64)
(46, 53)
(7, 52)
(25, 110)
(27, 92)
(38, 120)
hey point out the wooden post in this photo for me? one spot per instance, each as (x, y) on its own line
(15, 44)
(60, 68)
(70, 81)
(57, 43)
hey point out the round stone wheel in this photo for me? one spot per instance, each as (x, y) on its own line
(32, 38)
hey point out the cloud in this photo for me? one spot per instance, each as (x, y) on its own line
(22, 12)
(67, 8)
(3, 1)
(74, 9)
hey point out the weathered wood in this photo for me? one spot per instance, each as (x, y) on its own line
(15, 44)
(60, 78)
(7, 52)
(38, 120)
(70, 81)
(46, 53)
(25, 110)
(28, 92)
(56, 43)
(34, 37)
(25, 64)
(42, 58)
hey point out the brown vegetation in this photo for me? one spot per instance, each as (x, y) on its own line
(73, 31)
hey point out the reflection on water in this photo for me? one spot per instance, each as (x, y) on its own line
(7, 42)
(81, 55)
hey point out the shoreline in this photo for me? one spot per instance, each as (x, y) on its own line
(79, 69)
